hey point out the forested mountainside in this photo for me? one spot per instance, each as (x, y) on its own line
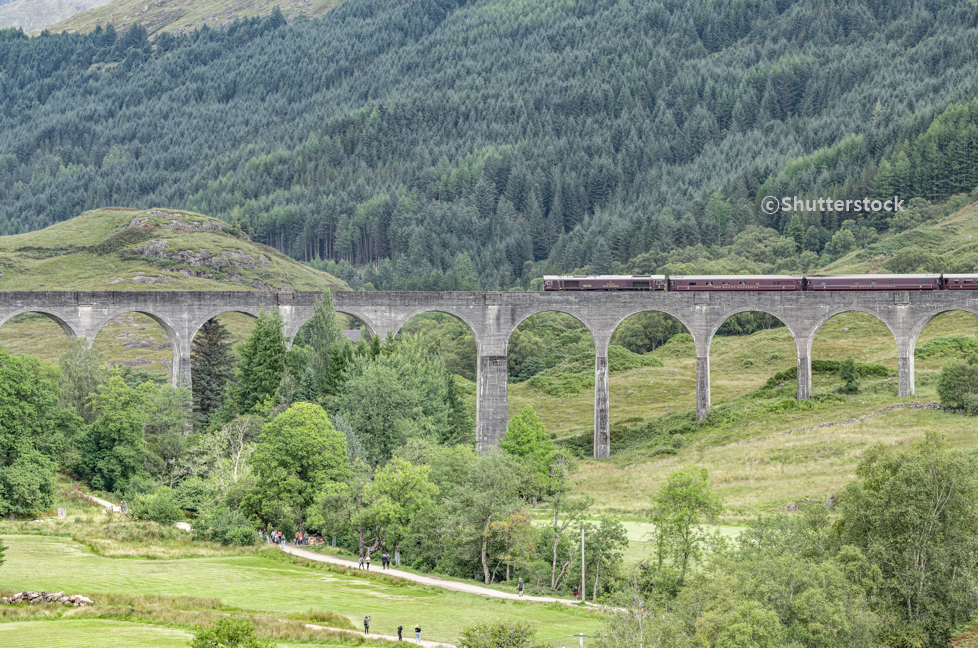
(32, 15)
(582, 131)
(181, 15)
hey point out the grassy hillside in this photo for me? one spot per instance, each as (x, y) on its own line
(35, 15)
(181, 15)
(128, 249)
(758, 456)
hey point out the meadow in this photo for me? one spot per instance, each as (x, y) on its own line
(265, 584)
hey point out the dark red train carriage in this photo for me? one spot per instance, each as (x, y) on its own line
(874, 282)
(737, 282)
(604, 282)
(960, 282)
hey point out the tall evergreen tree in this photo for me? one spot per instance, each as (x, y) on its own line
(212, 362)
(262, 364)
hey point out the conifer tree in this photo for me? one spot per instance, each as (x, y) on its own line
(262, 364)
(212, 363)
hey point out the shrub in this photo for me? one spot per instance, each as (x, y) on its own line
(847, 373)
(863, 370)
(947, 347)
(497, 634)
(226, 527)
(228, 633)
(958, 382)
(160, 507)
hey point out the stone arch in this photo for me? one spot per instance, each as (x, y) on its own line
(638, 310)
(908, 377)
(848, 309)
(178, 345)
(296, 325)
(404, 319)
(525, 315)
(216, 313)
(704, 386)
(58, 319)
(721, 320)
(922, 322)
(904, 362)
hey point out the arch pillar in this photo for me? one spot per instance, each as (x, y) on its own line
(181, 374)
(905, 368)
(491, 398)
(602, 424)
(803, 343)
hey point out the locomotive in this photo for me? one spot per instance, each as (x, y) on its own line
(762, 282)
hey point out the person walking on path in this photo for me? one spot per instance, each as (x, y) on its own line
(368, 562)
(417, 633)
(400, 629)
(575, 592)
(366, 625)
(519, 586)
(361, 563)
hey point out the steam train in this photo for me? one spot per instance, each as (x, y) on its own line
(763, 282)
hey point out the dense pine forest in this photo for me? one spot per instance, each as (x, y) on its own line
(403, 139)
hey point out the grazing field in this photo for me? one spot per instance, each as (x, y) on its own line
(273, 584)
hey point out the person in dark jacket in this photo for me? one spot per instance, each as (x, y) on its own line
(417, 633)
(366, 625)
(400, 629)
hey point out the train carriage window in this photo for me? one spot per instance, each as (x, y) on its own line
(891, 281)
(692, 283)
(874, 282)
(741, 283)
(709, 283)
(968, 281)
(857, 282)
(550, 283)
(823, 283)
(572, 284)
(726, 283)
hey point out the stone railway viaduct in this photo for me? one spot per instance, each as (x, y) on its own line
(493, 316)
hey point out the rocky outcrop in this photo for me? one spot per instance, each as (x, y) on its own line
(34, 598)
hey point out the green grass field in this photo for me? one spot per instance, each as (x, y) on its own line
(91, 633)
(273, 585)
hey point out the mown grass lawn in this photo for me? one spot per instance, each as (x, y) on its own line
(274, 585)
(90, 633)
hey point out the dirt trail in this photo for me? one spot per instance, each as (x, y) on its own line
(454, 586)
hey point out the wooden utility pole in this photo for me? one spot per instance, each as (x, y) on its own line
(583, 588)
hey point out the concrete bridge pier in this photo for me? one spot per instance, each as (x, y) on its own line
(905, 369)
(702, 384)
(491, 401)
(602, 422)
(804, 367)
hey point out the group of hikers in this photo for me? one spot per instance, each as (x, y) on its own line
(277, 537)
(385, 561)
(400, 630)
